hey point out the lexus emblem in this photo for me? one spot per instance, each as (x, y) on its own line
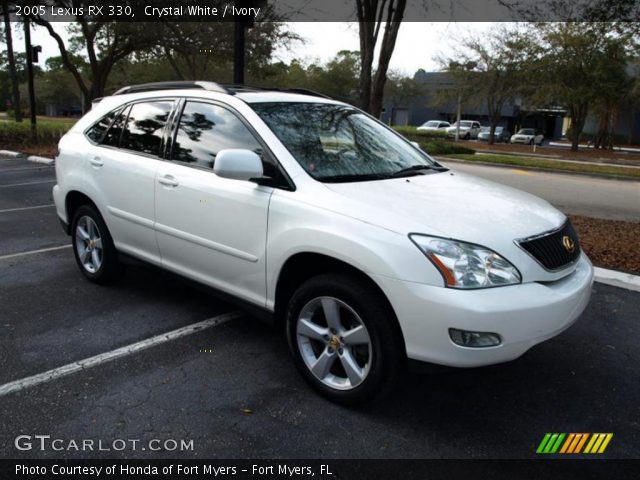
(568, 244)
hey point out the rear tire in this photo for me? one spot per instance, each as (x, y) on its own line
(93, 246)
(344, 338)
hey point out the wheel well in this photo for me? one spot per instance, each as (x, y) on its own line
(303, 266)
(74, 201)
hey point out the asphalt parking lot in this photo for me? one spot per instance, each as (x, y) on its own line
(232, 388)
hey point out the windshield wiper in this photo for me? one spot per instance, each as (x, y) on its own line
(363, 177)
(415, 169)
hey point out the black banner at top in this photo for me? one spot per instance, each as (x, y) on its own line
(326, 10)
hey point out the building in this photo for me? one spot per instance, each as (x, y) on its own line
(429, 106)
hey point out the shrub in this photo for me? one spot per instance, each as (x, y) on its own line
(47, 132)
(438, 147)
(415, 135)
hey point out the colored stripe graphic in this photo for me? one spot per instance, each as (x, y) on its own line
(573, 443)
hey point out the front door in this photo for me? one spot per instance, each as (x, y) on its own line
(210, 228)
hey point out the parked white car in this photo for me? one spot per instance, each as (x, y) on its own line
(433, 125)
(323, 220)
(468, 129)
(528, 136)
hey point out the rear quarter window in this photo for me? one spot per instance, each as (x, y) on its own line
(97, 132)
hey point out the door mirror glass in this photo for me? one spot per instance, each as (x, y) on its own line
(238, 164)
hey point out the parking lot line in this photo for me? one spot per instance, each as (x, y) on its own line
(31, 252)
(96, 360)
(7, 210)
(27, 183)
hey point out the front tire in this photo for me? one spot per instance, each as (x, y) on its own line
(93, 246)
(344, 338)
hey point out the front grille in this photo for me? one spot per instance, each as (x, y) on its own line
(553, 249)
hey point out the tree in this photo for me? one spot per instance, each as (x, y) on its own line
(573, 62)
(371, 15)
(499, 62)
(106, 44)
(188, 46)
(13, 74)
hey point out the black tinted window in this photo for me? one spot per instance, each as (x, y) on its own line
(96, 133)
(112, 138)
(205, 129)
(145, 126)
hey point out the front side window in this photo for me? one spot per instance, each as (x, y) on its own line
(205, 129)
(338, 143)
(144, 127)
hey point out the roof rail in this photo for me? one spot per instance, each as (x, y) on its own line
(237, 88)
(177, 85)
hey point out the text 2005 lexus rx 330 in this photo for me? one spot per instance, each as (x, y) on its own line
(366, 250)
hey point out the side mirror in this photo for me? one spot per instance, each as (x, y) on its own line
(238, 164)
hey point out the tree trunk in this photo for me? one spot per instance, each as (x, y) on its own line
(394, 20)
(578, 117)
(367, 46)
(15, 87)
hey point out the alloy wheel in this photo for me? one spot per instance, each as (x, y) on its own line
(88, 244)
(334, 343)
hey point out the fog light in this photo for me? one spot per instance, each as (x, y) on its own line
(474, 339)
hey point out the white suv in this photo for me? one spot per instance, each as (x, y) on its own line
(310, 211)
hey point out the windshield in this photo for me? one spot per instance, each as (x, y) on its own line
(431, 124)
(463, 124)
(526, 131)
(486, 129)
(338, 143)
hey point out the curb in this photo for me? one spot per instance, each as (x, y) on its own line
(37, 159)
(617, 279)
(10, 153)
(536, 169)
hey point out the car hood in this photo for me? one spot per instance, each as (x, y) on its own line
(448, 204)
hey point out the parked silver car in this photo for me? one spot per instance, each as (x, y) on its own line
(500, 135)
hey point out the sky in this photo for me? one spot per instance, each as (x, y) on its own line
(418, 44)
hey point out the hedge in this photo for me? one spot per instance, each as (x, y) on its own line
(47, 131)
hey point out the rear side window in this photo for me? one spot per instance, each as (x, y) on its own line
(205, 129)
(97, 132)
(144, 128)
(112, 138)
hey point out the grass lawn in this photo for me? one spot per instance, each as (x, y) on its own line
(555, 165)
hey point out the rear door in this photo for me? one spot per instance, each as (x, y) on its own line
(125, 169)
(209, 228)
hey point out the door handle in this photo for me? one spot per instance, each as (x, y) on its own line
(96, 162)
(168, 181)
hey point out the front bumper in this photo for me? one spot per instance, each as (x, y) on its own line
(523, 315)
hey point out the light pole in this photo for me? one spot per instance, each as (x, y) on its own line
(32, 95)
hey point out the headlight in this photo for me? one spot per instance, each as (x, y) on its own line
(464, 265)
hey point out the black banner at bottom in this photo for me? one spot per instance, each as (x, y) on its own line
(318, 469)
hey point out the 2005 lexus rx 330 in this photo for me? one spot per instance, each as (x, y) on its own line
(326, 221)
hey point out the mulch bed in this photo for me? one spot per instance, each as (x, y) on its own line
(586, 154)
(41, 150)
(610, 243)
